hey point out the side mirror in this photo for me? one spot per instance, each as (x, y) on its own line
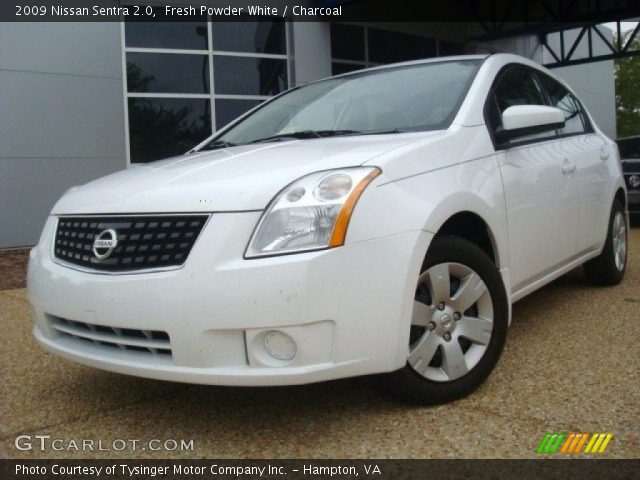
(522, 120)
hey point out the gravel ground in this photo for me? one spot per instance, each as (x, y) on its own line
(571, 364)
(13, 265)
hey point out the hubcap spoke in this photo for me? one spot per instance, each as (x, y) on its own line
(439, 283)
(471, 289)
(453, 362)
(421, 314)
(422, 353)
(442, 316)
(476, 329)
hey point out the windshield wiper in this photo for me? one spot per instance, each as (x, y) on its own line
(216, 144)
(297, 135)
(307, 134)
(381, 132)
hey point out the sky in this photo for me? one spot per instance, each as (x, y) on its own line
(624, 26)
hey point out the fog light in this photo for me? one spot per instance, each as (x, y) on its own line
(280, 345)
(634, 181)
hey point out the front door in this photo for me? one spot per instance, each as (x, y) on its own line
(540, 185)
(541, 193)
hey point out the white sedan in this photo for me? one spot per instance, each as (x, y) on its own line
(381, 221)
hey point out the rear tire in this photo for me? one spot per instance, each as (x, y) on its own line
(609, 267)
(465, 324)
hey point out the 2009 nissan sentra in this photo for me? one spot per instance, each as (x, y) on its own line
(382, 221)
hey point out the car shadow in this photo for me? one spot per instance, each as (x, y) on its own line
(186, 408)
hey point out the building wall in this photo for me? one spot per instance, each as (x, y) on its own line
(62, 121)
(312, 51)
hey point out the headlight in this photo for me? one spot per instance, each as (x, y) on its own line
(311, 213)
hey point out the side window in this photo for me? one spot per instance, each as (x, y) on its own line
(515, 86)
(588, 127)
(565, 101)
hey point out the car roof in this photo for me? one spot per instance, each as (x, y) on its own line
(423, 61)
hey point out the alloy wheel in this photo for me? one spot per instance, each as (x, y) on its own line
(451, 323)
(619, 235)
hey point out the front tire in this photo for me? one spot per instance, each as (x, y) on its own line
(609, 267)
(458, 325)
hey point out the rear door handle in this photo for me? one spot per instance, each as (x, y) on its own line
(604, 155)
(568, 167)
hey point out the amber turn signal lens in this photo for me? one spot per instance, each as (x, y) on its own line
(340, 230)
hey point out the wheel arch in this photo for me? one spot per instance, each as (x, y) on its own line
(621, 196)
(483, 224)
(472, 227)
(474, 219)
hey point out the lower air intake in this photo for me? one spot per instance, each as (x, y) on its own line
(153, 342)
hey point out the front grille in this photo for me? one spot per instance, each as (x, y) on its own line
(153, 342)
(142, 241)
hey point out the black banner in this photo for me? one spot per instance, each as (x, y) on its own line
(495, 13)
(319, 469)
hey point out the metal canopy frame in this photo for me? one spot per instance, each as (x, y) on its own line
(500, 19)
(506, 18)
(615, 49)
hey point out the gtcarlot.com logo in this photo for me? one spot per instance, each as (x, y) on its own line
(46, 442)
(573, 443)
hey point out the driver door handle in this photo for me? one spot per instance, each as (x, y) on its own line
(568, 167)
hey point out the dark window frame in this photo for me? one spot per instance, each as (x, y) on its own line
(535, 74)
(586, 121)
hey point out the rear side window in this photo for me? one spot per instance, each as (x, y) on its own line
(515, 86)
(561, 98)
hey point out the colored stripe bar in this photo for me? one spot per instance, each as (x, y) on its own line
(554, 445)
(581, 442)
(570, 440)
(605, 442)
(573, 442)
(593, 440)
(596, 446)
(543, 444)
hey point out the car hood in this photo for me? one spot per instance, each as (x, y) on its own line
(230, 179)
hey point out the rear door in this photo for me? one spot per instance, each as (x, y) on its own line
(541, 189)
(586, 151)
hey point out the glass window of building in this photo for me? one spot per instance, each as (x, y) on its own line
(348, 48)
(391, 47)
(354, 47)
(184, 80)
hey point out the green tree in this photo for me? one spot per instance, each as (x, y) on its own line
(627, 72)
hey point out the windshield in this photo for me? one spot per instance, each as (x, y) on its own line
(400, 99)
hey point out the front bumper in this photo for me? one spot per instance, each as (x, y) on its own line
(347, 309)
